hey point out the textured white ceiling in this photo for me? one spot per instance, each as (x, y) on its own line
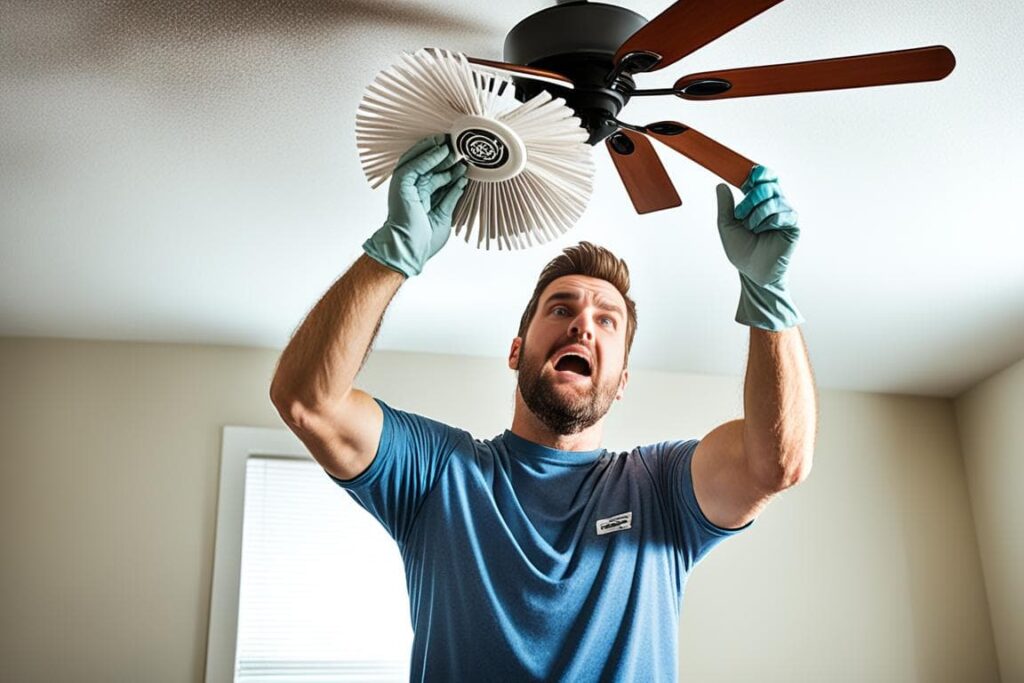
(187, 172)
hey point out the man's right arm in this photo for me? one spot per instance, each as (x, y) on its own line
(312, 387)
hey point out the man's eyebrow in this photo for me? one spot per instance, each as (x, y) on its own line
(575, 296)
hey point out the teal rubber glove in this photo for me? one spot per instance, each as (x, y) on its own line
(426, 185)
(759, 237)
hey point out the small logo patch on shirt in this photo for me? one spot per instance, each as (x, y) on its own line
(619, 522)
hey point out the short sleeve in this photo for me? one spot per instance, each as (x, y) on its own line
(411, 455)
(670, 463)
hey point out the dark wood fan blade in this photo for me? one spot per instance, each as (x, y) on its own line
(731, 167)
(860, 71)
(523, 71)
(642, 172)
(685, 27)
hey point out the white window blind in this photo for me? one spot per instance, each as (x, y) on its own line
(322, 592)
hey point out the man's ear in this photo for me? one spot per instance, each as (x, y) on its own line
(622, 384)
(513, 354)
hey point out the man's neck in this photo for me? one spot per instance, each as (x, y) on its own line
(526, 426)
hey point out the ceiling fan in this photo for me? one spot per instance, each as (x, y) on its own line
(587, 53)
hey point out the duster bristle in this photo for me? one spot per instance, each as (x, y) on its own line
(530, 167)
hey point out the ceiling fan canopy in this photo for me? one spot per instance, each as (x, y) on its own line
(578, 40)
(587, 54)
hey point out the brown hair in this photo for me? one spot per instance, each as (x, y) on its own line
(590, 260)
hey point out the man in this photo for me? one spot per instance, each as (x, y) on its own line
(538, 555)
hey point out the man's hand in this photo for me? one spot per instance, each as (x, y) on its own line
(759, 237)
(425, 187)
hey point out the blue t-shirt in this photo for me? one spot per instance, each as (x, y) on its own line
(526, 563)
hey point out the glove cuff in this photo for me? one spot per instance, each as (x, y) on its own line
(768, 307)
(390, 250)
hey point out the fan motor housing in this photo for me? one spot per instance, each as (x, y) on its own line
(578, 40)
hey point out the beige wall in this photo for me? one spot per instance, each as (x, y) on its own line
(991, 421)
(867, 572)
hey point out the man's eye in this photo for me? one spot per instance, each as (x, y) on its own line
(558, 309)
(610, 320)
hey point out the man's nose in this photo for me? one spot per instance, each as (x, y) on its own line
(582, 327)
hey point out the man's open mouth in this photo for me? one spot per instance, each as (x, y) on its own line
(572, 362)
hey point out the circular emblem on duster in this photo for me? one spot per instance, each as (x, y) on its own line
(482, 148)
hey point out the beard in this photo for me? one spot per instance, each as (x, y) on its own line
(566, 412)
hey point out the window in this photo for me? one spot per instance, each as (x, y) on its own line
(307, 586)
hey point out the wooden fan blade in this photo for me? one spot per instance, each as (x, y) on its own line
(685, 27)
(731, 167)
(642, 172)
(881, 68)
(524, 71)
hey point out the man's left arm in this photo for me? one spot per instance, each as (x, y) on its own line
(740, 465)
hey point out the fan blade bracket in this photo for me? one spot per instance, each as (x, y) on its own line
(667, 128)
(621, 144)
(638, 61)
(702, 87)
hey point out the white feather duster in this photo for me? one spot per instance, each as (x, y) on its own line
(530, 167)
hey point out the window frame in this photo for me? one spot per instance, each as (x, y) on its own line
(238, 444)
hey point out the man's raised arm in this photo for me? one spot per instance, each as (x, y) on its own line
(312, 387)
(740, 465)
